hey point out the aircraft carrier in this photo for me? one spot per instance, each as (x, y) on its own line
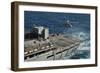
(47, 46)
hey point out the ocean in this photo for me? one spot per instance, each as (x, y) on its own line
(56, 21)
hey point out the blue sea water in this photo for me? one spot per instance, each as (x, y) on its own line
(55, 22)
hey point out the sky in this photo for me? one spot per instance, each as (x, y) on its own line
(55, 21)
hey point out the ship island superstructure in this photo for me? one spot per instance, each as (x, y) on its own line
(44, 46)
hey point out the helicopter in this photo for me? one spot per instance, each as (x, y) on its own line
(69, 23)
